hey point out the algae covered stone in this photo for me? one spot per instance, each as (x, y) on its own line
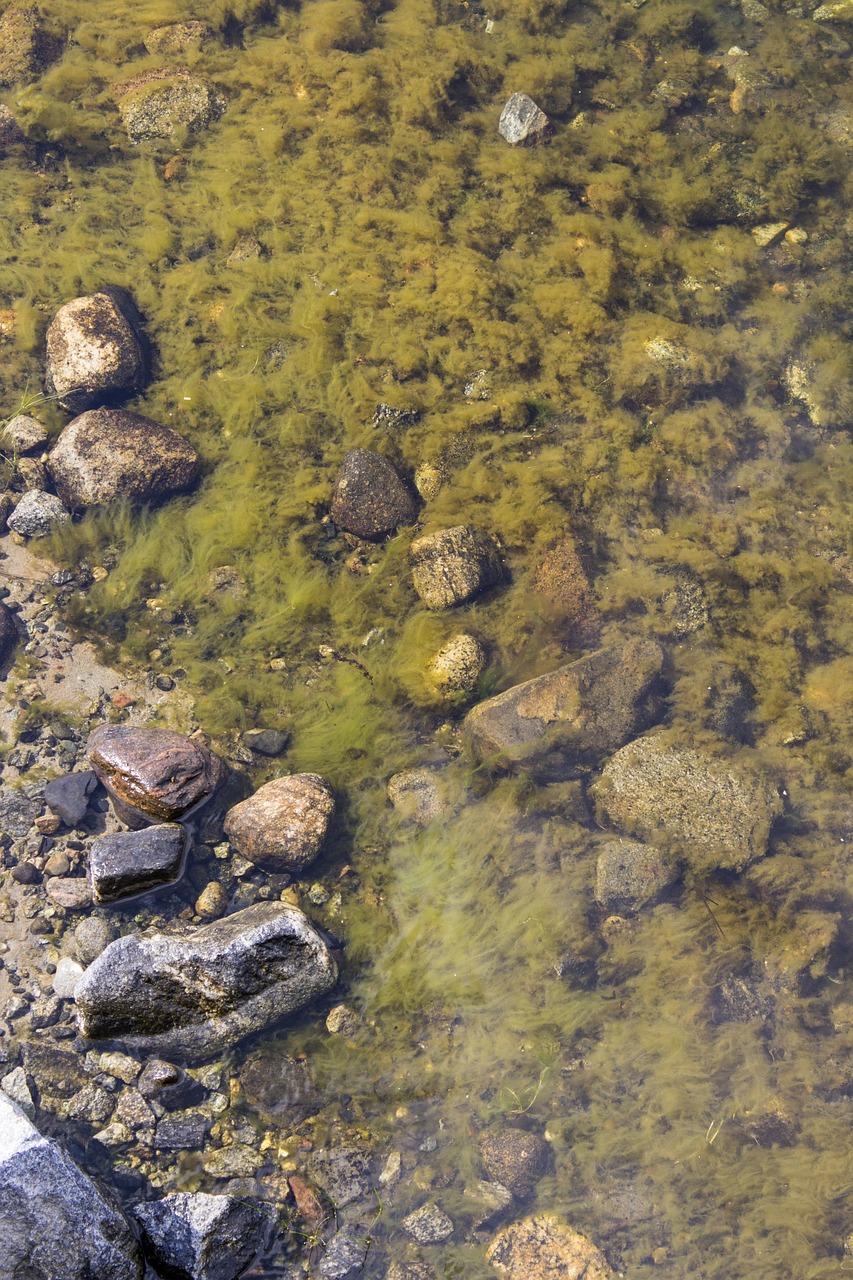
(95, 350)
(160, 104)
(454, 565)
(629, 875)
(106, 454)
(715, 812)
(515, 1158)
(194, 993)
(283, 825)
(457, 666)
(158, 773)
(563, 721)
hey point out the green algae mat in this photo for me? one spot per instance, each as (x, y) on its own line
(633, 340)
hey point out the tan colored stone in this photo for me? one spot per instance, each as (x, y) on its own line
(543, 1248)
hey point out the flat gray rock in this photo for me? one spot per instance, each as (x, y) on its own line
(522, 123)
(95, 350)
(130, 862)
(55, 1223)
(561, 722)
(716, 813)
(68, 797)
(196, 1236)
(195, 993)
(629, 875)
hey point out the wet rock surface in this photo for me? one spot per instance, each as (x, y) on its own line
(715, 812)
(54, 1220)
(131, 862)
(196, 993)
(454, 565)
(283, 825)
(196, 1236)
(95, 350)
(106, 454)
(629, 875)
(370, 498)
(522, 123)
(515, 1158)
(158, 773)
(543, 1248)
(562, 721)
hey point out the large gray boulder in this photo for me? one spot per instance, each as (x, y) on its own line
(716, 813)
(193, 994)
(109, 453)
(125, 863)
(95, 350)
(196, 1236)
(156, 773)
(370, 498)
(454, 565)
(563, 721)
(55, 1223)
(283, 825)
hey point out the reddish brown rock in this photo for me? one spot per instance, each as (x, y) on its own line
(283, 825)
(157, 773)
(543, 1248)
(561, 579)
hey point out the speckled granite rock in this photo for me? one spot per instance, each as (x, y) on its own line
(543, 1248)
(370, 498)
(283, 825)
(95, 350)
(196, 1236)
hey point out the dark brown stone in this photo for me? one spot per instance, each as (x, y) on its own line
(370, 498)
(8, 631)
(515, 1158)
(283, 825)
(160, 774)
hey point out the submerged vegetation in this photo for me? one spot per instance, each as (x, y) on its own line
(596, 347)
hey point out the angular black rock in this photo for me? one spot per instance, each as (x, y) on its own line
(131, 862)
(68, 797)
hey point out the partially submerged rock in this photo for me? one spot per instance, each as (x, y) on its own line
(23, 434)
(129, 862)
(195, 1236)
(38, 514)
(717, 813)
(195, 993)
(157, 773)
(453, 565)
(564, 720)
(283, 825)
(543, 1248)
(370, 498)
(629, 875)
(95, 350)
(522, 123)
(163, 103)
(55, 1223)
(106, 454)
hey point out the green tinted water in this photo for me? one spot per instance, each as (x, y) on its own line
(406, 248)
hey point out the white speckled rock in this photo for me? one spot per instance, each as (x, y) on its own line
(38, 514)
(457, 666)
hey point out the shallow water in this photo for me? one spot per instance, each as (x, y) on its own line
(405, 249)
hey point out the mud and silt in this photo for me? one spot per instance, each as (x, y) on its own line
(602, 343)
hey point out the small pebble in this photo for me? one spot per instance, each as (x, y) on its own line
(212, 901)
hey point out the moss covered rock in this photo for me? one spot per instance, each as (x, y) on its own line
(717, 813)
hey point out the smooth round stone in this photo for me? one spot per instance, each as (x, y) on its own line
(457, 666)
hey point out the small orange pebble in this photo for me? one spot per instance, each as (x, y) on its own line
(122, 700)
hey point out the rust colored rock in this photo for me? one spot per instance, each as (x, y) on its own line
(309, 1202)
(157, 773)
(106, 454)
(283, 825)
(96, 350)
(558, 723)
(370, 498)
(561, 579)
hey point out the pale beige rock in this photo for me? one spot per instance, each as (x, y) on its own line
(457, 666)
(543, 1248)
